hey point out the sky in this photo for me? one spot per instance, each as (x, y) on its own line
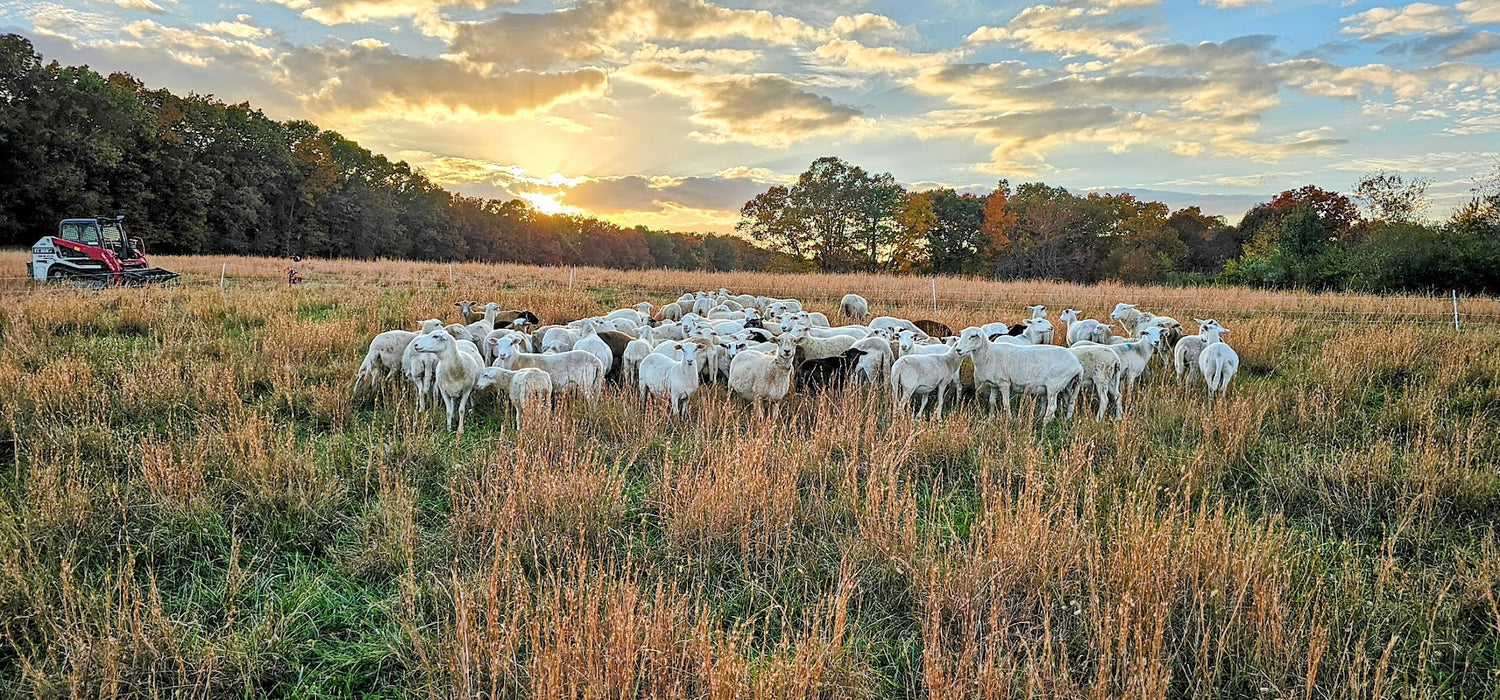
(672, 113)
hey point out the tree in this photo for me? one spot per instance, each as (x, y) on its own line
(836, 214)
(1210, 241)
(1390, 198)
(999, 221)
(915, 219)
(957, 241)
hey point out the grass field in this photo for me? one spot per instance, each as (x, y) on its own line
(192, 504)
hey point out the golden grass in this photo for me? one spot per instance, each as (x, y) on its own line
(192, 504)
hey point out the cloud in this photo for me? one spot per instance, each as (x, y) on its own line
(1414, 19)
(346, 11)
(847, 53)
(638, 193)
(194, 47)
(376, 81)
(1480, 43)
(761, 109)
(1232, 4)
(1066, 30)
(1479, 11)
(141, 6)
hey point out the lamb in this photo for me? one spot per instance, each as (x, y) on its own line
(829, 372)
(875, 364)
(758, 376)
(855, 307)
(1185, 354)
(1043, 369)
(1084, 328)
(675, 379)
(457, 373)
(526, 388)
(925, 374)
(386, 351)
(569, 370)
(1102, 370)
(1218, 362)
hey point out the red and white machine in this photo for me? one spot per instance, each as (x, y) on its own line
(95, 252)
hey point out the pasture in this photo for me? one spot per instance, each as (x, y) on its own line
(193, 504)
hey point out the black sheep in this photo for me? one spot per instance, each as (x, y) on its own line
(820, 374)
(1015, 330)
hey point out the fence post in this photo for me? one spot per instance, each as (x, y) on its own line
(450, 273)
(222, 268)
(572, 272)
(934, 294)
(1455, 310)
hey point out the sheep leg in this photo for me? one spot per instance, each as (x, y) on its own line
(1051, 405)
(941, 392)
(448, 403)
(1102, 391)
(463, 409)
(1004, 389)
(923, 406)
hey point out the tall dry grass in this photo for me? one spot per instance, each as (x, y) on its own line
(192, 504)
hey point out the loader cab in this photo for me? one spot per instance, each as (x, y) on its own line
(101, 233)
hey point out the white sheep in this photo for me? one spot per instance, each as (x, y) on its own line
(1038, 331)
(481, 328)
(758, 376)
(1185, 353)
(1084, 328)
(875, 364)
(1037, 311)
(896, 324)
(1102, 370)
(818, 348)
(527, 388)
(457, 373)
(1038, 369)
(559, 340)
(635, 351)
(1137, 354)
(855, 307)
(674, 379)
(386, 351)
(926, 374)
(1218, 362)
(590, 342)
(569, 370)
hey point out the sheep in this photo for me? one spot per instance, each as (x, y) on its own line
(906, 343)
(569, 370)
(457, 373)
(810, 348)
(1044, 369)
(875, 364)
(1102, 370)
(1083, 328)
(829, 372)
(386, 352)
(1038, 331)
(559, 340)
(1038, 311)
(466, 311)
(675, 379)
(855, 307)
(590, 342)
(1185, 353)
(1135, 355)
(486, 323)
(776, 307)
(671, 312)
(925, 374)
(635, 351)
(933, 328)
(895, 324)
(525, 388)
(518, 318)
(1218, 362)
(758, 376)
(1001, 329)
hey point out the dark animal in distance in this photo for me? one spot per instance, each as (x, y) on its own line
(820, 374)
(933, 328)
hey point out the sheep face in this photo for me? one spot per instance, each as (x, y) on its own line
(1037, 311)
(969, 341)
(1121, 311)
(431, 325)
(466, 307)
(1069, 316)
(433, 342)
(488, 378)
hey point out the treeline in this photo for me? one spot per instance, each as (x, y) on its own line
(196, 175)
(839, 217)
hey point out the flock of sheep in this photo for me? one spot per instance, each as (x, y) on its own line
(761, 348)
